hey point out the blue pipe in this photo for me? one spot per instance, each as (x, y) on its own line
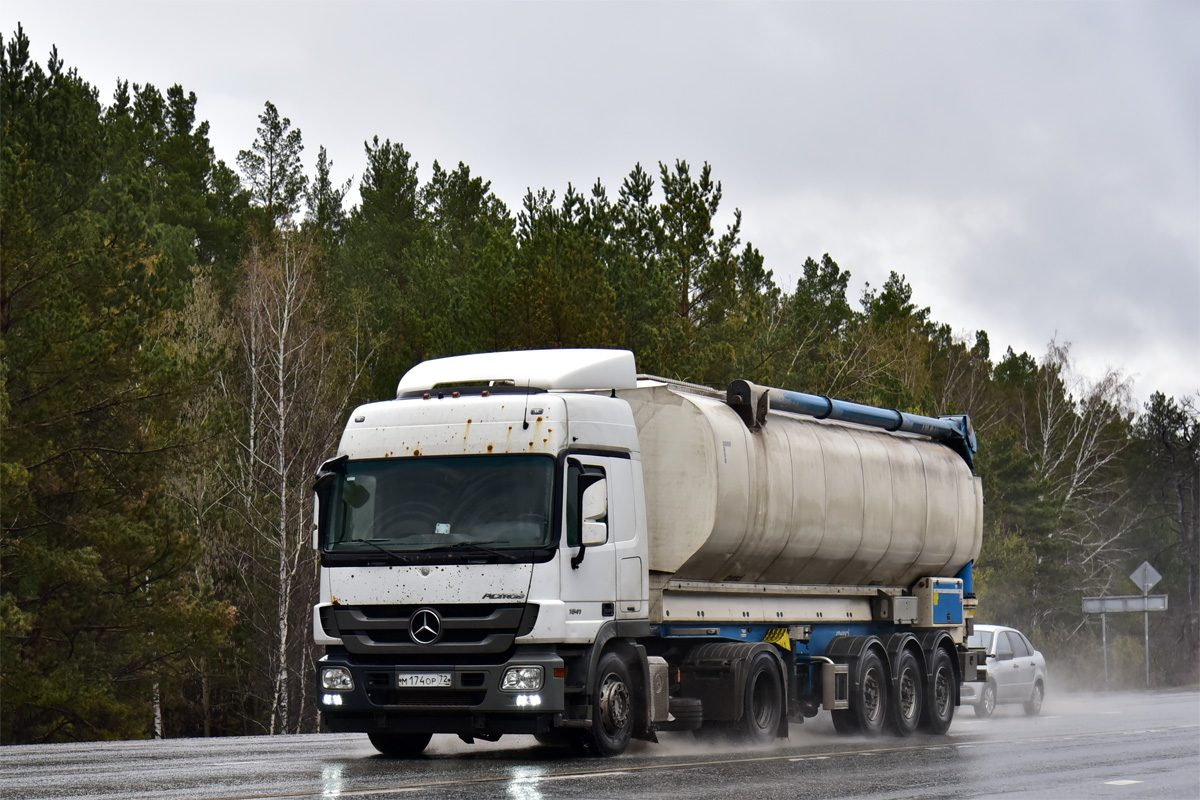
(752, 403)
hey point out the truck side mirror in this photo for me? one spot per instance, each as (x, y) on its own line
(594, 507)
(587, 508)
(323, 488)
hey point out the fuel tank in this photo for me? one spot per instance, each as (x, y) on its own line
(799, 500)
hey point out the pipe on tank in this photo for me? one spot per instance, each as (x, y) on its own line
(752, 402)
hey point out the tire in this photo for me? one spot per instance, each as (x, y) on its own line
(762, 709)
(938, 708)
(987, 701)
(904, 710)
(844, 722)
(870, 701)
(687, 711)
(400, 745)
(554, 738)
(613, 709)
(1033, 706)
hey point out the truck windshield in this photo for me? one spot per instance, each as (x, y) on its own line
(408, 505)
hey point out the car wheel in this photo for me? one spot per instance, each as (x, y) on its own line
(1033, 706)
(987, 701)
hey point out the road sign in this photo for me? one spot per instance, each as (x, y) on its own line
(1145, 577)
(1133, 602)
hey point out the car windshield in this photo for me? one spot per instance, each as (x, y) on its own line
(980, 639)
(414, 504)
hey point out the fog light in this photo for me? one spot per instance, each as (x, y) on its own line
(529, 700)
(332, 699)
(522, 679)
(337, 679)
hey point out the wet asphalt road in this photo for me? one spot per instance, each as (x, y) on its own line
(1083, 746)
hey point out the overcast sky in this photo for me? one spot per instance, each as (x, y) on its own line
(1032, 168)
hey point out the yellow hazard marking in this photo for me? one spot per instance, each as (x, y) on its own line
(778, 636)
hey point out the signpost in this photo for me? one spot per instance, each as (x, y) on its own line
(1145, 577)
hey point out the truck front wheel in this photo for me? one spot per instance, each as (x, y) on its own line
(612, 708)
(400, 745)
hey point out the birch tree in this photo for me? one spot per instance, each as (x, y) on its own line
(295, 380)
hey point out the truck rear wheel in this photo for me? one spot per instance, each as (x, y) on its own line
(612, 709)
(400, 745)
(762, 709)
(938, 711)
(844, 722)
(904, 712)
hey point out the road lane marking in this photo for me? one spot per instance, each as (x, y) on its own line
(1120, 783)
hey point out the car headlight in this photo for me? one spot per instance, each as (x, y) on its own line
(337, 679)
(521, 679)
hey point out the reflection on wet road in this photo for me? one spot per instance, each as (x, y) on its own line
(1086, 745)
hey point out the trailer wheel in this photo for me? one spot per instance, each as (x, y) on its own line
(400, 745)
(763, 706)
(938, 710)
(904, 712)
(612, 709)
(871, 696)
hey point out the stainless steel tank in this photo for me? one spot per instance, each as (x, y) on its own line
(799, 501)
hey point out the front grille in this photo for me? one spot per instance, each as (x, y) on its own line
(469, 629)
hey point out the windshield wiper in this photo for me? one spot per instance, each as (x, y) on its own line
(392, 554)
(473, 546)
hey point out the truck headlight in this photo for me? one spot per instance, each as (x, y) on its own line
(337, 679)
(521, 679)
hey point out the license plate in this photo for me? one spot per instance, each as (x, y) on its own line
(422, 680)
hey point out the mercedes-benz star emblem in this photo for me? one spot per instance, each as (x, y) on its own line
(425, 627)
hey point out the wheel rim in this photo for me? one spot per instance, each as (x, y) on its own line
(1037, 698)
(989, 699)
(941, 692)
(614, 703)
(871, 705)
(908, 694)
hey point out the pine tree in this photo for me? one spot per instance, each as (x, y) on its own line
(272, 167)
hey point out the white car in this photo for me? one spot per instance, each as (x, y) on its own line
(1016, 671)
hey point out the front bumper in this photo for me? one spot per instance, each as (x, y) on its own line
(472, 704)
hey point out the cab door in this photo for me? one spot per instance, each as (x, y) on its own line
(587, 561)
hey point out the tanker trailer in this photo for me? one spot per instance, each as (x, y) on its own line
(545, 542)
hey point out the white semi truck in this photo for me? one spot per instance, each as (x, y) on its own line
(547, 543)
